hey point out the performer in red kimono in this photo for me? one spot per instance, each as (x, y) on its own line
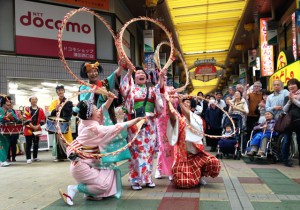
(191, 161)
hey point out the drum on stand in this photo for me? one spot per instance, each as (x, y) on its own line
(10, 128)
(51, 125)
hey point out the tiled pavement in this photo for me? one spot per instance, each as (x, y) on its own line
(240, 186)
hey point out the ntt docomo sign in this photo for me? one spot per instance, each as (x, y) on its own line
(37, 26)
(39, 22)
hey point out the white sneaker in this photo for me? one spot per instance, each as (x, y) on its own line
(29, 161)
(36, 160)
(157, 174)
(4, 164)
(203, 182)
(171, 178)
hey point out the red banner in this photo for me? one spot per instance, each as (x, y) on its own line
(96, 4)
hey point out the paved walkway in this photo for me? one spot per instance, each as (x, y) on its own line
(241, 185)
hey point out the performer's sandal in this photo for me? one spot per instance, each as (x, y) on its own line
(65, 197)
(150, 185)
(136, 186)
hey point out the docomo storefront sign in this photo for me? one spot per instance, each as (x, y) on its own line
(36, 19)
(37, 27)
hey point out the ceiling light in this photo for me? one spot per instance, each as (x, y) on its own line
(40, 90)
(203, 52)
(13, 85)
(49, 84)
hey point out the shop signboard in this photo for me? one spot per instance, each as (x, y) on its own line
(206, 69)
(285, 74)
(252, 54)
(294, 36)
(96, 4)
(272, 37)
(149, 62)
(298, 32)
(37, 27)
(267, 61)
(148, 40)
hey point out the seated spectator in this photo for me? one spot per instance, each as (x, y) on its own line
(259, 140)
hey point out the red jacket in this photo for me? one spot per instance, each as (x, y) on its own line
(27, 114)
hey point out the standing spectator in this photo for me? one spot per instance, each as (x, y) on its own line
(261, 107)
(275, 101)
(226, 108)
(201, 102)
(243, 90)
(35, 118)
(65, 114)
(207, 96)
(142, 100)
(239, 106)
(219, 101)
(293, 108)
(230, 93)
(253, 100)
(6, 115)
(13, 138)
(213, 118)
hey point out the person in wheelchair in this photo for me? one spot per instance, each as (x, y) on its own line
(259, 141)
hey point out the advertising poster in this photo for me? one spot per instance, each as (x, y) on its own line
(37, 27)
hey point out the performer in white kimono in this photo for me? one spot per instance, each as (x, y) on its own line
(93, 181)
(191, 161)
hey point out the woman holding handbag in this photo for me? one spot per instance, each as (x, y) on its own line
(293, 108)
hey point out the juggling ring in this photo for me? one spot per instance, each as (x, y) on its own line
(61, 53)
(119, 44)
(157, 62)
(139, 125)
(195, 131)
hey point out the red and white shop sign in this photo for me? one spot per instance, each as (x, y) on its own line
(206, 69)
(266, 51)
(37, 26)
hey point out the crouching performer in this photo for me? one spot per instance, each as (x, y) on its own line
(93, 180)
(191, 161)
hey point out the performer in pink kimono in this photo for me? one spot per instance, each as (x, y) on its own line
(191, 161)
(165, 155)
(141, 100)
(94, 181)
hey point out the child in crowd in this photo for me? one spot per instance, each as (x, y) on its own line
(228, 141)
(259, 140)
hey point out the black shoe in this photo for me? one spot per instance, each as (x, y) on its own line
(288, 163)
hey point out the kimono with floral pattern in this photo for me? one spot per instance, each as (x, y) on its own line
(142, 150)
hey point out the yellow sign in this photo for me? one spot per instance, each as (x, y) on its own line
(285, 74)
(281, 61)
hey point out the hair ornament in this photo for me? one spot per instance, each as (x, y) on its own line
(89, 66)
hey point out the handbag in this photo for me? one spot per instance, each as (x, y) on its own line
(283, 122)
(117, 143)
